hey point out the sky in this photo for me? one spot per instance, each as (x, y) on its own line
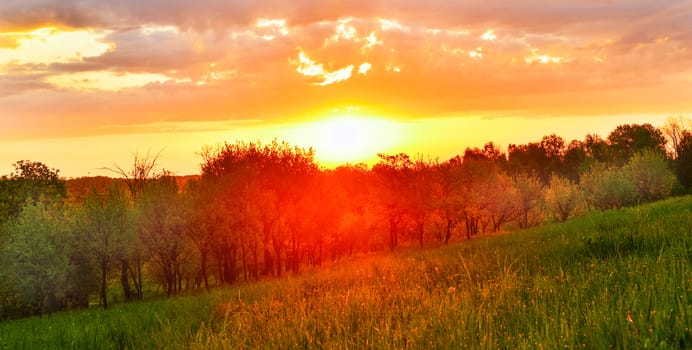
(86, 84)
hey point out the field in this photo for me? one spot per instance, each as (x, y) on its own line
(618, 279)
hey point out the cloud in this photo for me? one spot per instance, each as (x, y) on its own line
(75, 66)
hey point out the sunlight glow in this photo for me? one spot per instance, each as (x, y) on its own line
(349, 138)
(542, 59)
(489, 35)
(310, 68)
(51, 45)
(103, 80)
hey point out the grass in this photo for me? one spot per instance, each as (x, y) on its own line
(618, 279)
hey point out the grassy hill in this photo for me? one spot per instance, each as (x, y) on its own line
(618, 279)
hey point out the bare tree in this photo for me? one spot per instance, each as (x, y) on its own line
(144, 169)
(673, 129)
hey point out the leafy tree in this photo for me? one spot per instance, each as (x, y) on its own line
(424, 192)
(597, 149)
(105, 227)
(393, 176)
(529, 159)
(352, 190)
(628, 139)
(30, 181)
(563, 197)
(607, 187)
(529, 199)
(684, 160)
(449, 200)
(574, 160)
(650, 175)
(37, 259)
(143, 171)
(162, 230)
(505, 204)
(277, 173)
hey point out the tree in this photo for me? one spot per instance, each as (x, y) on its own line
(554, 148)
(30, 181)
(674, 130)
(276, 174)
(393, 174)
(649, 173)
(505, 204)
(142, 172)
(424, 191)
(607, 187)
(529, 199)
(574, 159)
(37, 260)
(529, 159)
(597, 149)
(104, 230)
(628, 139)
(684, 160)
(162, 230)
(563, 197)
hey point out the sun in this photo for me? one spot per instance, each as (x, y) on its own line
(348, 138)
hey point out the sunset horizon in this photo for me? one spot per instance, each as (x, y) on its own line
(85, 86)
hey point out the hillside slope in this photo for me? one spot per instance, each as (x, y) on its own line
(617, 279)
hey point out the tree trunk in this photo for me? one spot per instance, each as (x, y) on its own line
(203, 265)
(104, 294)
(448, 232)
(124, 281)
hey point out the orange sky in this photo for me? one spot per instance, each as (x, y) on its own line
(83, 84)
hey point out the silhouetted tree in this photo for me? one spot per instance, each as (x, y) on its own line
(529, 159)
(597, 149)
(628, 139)
(574, 160)
(30, 181)
(674, 129)
(393, 174)
(684, 160)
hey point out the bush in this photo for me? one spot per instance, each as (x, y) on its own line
(608, 187)
(563, 197)
(650, 176)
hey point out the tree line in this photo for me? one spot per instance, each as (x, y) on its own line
(262, 210)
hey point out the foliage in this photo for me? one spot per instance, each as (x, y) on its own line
(563, 197)
(650, 175)
(162, 230)
(30, 181)
(104, 230)
(37, 259)
(616, 279)
(607, 187)
(628, 139)
(684, 160)
(529, 200)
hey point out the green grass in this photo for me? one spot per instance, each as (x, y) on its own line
(618, 279)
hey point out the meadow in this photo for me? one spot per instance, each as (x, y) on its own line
(617, 279)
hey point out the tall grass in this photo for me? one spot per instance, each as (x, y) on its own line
(618, 279)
